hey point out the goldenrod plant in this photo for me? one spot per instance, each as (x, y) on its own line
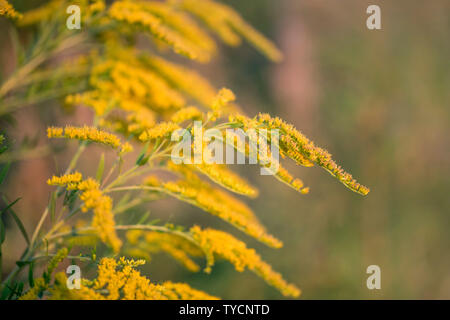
(126, 69)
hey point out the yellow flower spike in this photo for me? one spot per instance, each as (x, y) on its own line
(54, 132)
(188, 113)
(213, 17)
(187, 80)
(284, 176)
(126, 148)
(227, 178)
(224, 97)
(138, 15)
(101, 205)
(6, 9)
(298, 143)
(225, 246)
(119, 280)
(182, 23)
(64, 180)
(161, 130)
(285, 143)
(85, 134)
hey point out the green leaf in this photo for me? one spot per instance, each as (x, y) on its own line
(16, 218)
(4, 171)
(144, 217)
(100, 168)
(31, 275)
(140, 160)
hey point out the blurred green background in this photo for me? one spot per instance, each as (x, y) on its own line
(379, 101)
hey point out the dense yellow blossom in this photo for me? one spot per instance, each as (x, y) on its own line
(119, 280)
(6, 9)
(101, 205)
(284, 176)
(128, 84)
(126, 148)
(55, 132)
(224, 245)
(85, 134)
(182, 23)
(66, 179)
(187, 80)
(227, 178)
(162, 129)
(300, 159)
(188, 113)
(299, 143)
(94, 199)
(140, 15)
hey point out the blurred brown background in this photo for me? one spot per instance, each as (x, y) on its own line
(379, 101)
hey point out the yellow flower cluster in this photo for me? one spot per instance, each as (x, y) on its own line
(6, 9)
(228, 24)
(224, 245)
(284, 176)
(161, 130)
(93, 198)
(85, 134)
(299, 148)
(183, 24)
(146, 16)
(199, 193)
(71, 179)
(188, 113)
(188, 81)
(223, 176)
(129, 80)
(224, 97)
(152, 242)
(295, 141)
(120, 280)
(101, 205)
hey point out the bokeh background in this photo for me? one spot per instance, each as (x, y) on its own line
(379, 101)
